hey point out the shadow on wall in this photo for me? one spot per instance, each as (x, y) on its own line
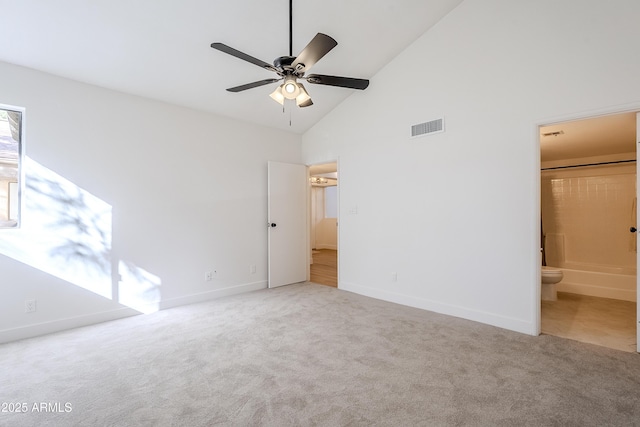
(67, 232)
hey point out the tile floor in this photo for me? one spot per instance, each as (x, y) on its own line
(602, 321)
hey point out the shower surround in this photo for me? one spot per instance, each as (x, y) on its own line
(587, 213)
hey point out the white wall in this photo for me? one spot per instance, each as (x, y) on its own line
(457, 216)
(180, 192)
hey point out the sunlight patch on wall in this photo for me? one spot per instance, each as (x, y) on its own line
(67, 233)
(138, 288)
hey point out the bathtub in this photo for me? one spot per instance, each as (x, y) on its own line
(598, 280)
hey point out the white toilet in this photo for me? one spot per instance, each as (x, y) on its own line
(550, 276)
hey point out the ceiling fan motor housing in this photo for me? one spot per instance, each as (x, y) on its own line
(284, 62)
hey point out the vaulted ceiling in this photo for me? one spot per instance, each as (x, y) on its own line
(160, 49)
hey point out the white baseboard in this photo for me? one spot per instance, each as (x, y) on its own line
(512, 324)
(58, 325)
(213, 294)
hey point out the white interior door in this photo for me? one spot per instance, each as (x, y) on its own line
(287, 222)
(637, 242)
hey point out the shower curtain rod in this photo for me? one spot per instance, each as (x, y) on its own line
(588, 164)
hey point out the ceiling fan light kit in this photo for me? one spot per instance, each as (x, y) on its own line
(296, 91)
(277, 95)
(290, 88)
(291, 68)
(303, 99)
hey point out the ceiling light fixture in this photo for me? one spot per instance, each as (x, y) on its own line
(303, 99)
(290, 88)
(277, 95)
(290, 68)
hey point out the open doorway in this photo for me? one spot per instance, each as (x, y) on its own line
(588, 220)
(323, 224)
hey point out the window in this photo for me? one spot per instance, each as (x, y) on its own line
(331, 202)
(11, 122)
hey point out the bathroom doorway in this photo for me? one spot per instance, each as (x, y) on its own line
(588, 220)
(323, 224)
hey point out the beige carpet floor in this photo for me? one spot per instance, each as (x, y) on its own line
(306, 355)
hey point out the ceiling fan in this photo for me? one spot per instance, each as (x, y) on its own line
(291, 68)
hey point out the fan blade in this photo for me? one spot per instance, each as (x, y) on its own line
(318, 47)
(252, 85)
(348, 82)
(241, 55)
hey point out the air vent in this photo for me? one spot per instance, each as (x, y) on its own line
(427, 128)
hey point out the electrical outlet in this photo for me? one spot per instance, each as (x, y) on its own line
(30, 306)
(208, 276)
(394, 277)
(252, 269)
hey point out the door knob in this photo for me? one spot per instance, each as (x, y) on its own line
(633, 229)
(273, 225)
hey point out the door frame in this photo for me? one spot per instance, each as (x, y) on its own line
(536, 229)
(637, 238)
